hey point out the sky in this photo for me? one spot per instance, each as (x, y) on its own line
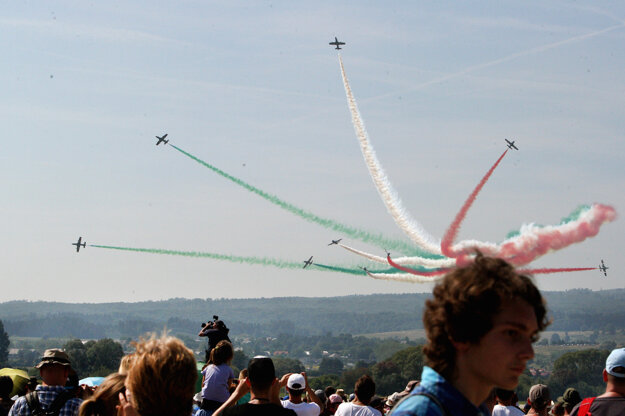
(254, 89)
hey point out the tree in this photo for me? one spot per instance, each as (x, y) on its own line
(104, 356)
(555, 339)
(4, 346)
(287, 365)
(330, 366)
(580, 369)
(321, 382)
(77, 353)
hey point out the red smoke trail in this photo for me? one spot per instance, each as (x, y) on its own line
(548, 271)
(453, 229)
(415, 272)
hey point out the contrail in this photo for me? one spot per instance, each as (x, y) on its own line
(549, 271)
(452, 231)
(417, 261)
(428, 273)
(393, 204)
(364, 236)
(501, 60)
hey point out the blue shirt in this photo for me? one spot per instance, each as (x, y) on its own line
(433, 383)
(46, 395)
(216, 382)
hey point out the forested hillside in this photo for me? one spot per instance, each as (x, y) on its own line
(571, 311)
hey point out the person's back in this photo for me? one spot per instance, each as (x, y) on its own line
(506, 404)
(364, 390)
(352, 409)
(612, 402)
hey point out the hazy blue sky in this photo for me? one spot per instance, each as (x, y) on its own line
(255, 89)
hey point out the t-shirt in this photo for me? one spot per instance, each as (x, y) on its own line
(351, 409)
(215, 385)
(303, 408)
(265, 409)
(605, 406)
(500, 410)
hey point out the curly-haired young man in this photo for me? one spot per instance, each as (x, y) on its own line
(480, 325)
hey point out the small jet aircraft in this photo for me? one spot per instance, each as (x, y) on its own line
(78, 244)
(337, 43)
(510, 144)
(603, 268)
(162, 139)
(308, 262)
(335, 241)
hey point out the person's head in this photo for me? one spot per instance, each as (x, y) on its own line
(364, 389)
(557, 409)
(485, 298)
(329, 391)
(162, 377)
(614, 372)
(333, 402)
(569, 399)
(125, 363)
(504, 397)
(261, 374)
(6, 387)
(54, 367)
(539, 397)
(296, 385)
(377, 403)
(106, 397)
(222, 353)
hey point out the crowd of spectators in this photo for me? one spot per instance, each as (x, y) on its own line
(480, 326)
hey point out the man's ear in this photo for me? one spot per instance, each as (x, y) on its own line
(605, 375)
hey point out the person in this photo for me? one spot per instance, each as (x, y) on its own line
(161, 380)
(6, 387)
(265, 390)
(218, 378)
(539, 399)
(480, 325)
(334, 401)
(612, 402)
(569, 400)
(364, 390)
(105, 399)
(296, 386)
(54, 369)
(216, 331)
(506, 403)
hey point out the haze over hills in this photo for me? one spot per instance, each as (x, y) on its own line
(571, 310)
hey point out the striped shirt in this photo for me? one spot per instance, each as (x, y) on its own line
(46, 395)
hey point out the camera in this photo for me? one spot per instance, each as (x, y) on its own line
(209, 323)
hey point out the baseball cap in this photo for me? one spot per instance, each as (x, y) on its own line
(616, 359)
(54, 356)
(335, 398)
(571, 397)
(539, 396)
(296, 382)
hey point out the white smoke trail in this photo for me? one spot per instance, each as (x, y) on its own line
(393, 204)
(413, 261)
(404, 277)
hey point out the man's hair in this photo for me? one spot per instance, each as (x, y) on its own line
(503, 395)
(261, 373)
(464, 305)
(222, 353)
(105, 398)
(364, 389)
(162, 377)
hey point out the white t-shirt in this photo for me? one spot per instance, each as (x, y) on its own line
(351, 409)
(500, 410)
(303, 408)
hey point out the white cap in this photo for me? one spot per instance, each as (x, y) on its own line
(296, 382)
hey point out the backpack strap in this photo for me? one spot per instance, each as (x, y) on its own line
(32, 400)
(584, 407)
(59, 402)
(435, 400)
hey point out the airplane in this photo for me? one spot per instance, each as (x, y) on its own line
(603, 268)
(364, 269)
(162, 139)
(510, 144)
(78, 245)
(335, 241)
(308, 262)
(337, 43)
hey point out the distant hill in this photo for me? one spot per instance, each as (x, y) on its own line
(571, 310)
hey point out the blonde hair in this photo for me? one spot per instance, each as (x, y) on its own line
(105, 398)
(162, 377)
(126, 363)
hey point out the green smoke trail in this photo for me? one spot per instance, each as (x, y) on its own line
(263, 261)
(359, 271)
(367, 237)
